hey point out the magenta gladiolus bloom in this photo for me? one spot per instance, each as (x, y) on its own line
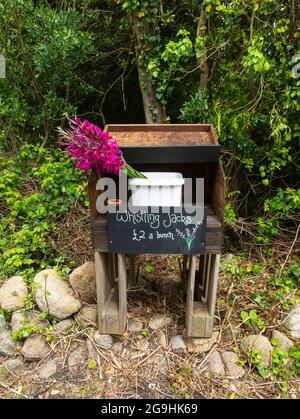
(92, 148)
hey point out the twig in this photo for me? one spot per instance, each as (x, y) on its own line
(18, 393)
(149, 356)
(290, 251)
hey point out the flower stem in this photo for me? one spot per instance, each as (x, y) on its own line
(131, 172)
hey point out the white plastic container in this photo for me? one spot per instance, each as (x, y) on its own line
(159, 189)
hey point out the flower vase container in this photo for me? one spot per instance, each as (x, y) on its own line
(158, 189)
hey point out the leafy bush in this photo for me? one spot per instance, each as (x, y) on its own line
(36, 188)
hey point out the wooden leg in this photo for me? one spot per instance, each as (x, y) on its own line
(132, 280)
(184, 270)
(200, 312)
(111, 292)
(190, 295)
(213, 284)
(206, 277)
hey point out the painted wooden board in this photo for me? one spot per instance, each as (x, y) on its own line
(171, 232)
(213, 242)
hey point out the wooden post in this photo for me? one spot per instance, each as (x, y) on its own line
(201, 299)
(213, 284)
(132, 280)
(190, 294)
(111, 292)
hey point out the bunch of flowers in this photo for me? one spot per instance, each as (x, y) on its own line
(94, 149)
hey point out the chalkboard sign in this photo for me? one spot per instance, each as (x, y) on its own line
(178, 231)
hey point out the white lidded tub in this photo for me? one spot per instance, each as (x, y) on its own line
(159, 189)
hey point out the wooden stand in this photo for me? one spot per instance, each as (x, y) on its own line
(111, 282)
(201, 294)
(199, 272)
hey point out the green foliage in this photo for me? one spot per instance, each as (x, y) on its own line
(45, 52)
(52, 187)
(25, 331)
(149, 268)
(286, 282)
(229, 214)
(92, 365)
(252, 320)
(295, 355)
(255, 360)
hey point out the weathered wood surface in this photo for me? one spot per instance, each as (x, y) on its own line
(163, 134)
(218, 192)
(201, 295)
(111, 292)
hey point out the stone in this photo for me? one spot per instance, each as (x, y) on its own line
(35, 348)
(159, 321)
(232, 368)
(12, 364)
(63, 326)
(201, 345)
(47, 370)
(261, 344)
(216, 366)
(8, 366)
(8, 346)
(87, 316)
(292, 322)
(13, 293)
(54, 294)
(103, 341)
(117, 348)
(22, 318)
(83, 282)
(282, 341)
(135, 325)
(2, 322)
(77, 356)
(161, 339)
(177, 344)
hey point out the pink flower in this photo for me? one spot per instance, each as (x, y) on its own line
(91, 148)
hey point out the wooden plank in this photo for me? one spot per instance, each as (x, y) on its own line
(213, 284)
(122, 282)
(201, 153)
(111, 293)
(158, 127)
(190, 294)
(162, 134)
(206, 279)
(218, 192)
(132, 270)
(102, 285)
(93, 195)
(200, 314)
(201, 321)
